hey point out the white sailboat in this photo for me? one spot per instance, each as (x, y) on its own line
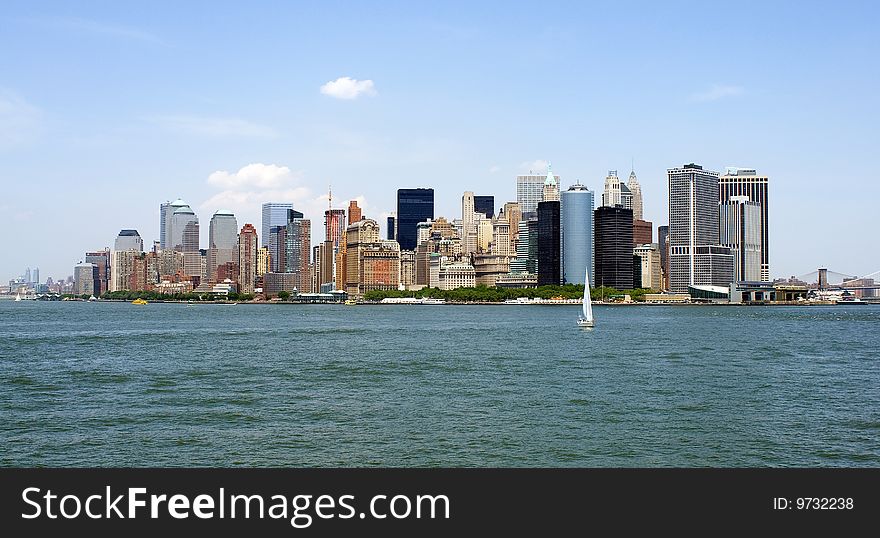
(586, 319)
(18, 297)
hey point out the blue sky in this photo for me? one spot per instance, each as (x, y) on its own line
(109, 108)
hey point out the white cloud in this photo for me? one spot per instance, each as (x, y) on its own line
(348, 88)
(254, 176)
(219, 127)
(717, 92)
(19, 120)
(244, 191)
(538, 166)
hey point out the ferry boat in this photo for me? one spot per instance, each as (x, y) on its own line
(350, 302)
(139, 301)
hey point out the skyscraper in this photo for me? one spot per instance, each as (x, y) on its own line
(746, 182)
(550, 189)
(274, 214)
(166, 210)
(222, 241)
(354, 212)
(695, 256)
(636, 190)
(549, 271)
(741, 232)
(616, 192)
(247, 258)
(513, 213)
(663, 241)
(485, 205)
(413, 207)
(390, 231)
(298, 247)
(129, 240)
(469, 223)
(84, 275)
(643, 231)
(530, 191)
(614, 247)
(334, 226)
(577, 234)
(101, 260)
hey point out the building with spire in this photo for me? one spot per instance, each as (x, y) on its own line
(550, 191)
(636, 190)
(530, 192)
(616, 192)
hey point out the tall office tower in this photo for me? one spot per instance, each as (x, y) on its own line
(741, 232)
(513, 213)
(550, 189)
(518, 264)
(484, 233)
(334, 225)
(298, 247)
(274, 214)
(616, 192)
(614, 247)
(121, 268)
(643, 231)
(166, 210)
(636, 190)
(548, 243)
(358, 236)
(36, 275)
(577, 234)
(532, 251)
(649, 261)
(222, 241)
(663, 241)
(501, 241)
(263, 256)
(84, 276)
(413, 207)
(391, 232)
(695, 256)
(530, 191)
(485, 205)
(469, 222)
(248, 258)
(101, 260)
(325, 261)
(184, 235)
(27, 276)
(129, 240)
(746, 182)
(354, 212)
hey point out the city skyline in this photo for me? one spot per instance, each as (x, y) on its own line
(143, 118)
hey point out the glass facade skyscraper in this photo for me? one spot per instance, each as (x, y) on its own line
(614, 247)
(577, 234)
(747, 182)
(485, 205)
(549, 246)
(274, 215)
(413, 206)
(222, 241)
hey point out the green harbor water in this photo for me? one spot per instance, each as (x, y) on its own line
(114, 384)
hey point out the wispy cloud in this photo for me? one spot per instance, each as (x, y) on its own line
(20, 121)
(718, 92)
(348, 88)
(89, 26)
(244, 191)
(494, 169)
(538, 166)
(219, 127)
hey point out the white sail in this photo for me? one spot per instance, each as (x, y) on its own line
(588, 304)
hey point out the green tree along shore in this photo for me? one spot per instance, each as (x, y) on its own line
(486, 294)
(156, 296)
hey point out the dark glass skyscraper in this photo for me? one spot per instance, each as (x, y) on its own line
(549, 270)
(614, 247)
(413, 206)
(485, 205)
(391, 231)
